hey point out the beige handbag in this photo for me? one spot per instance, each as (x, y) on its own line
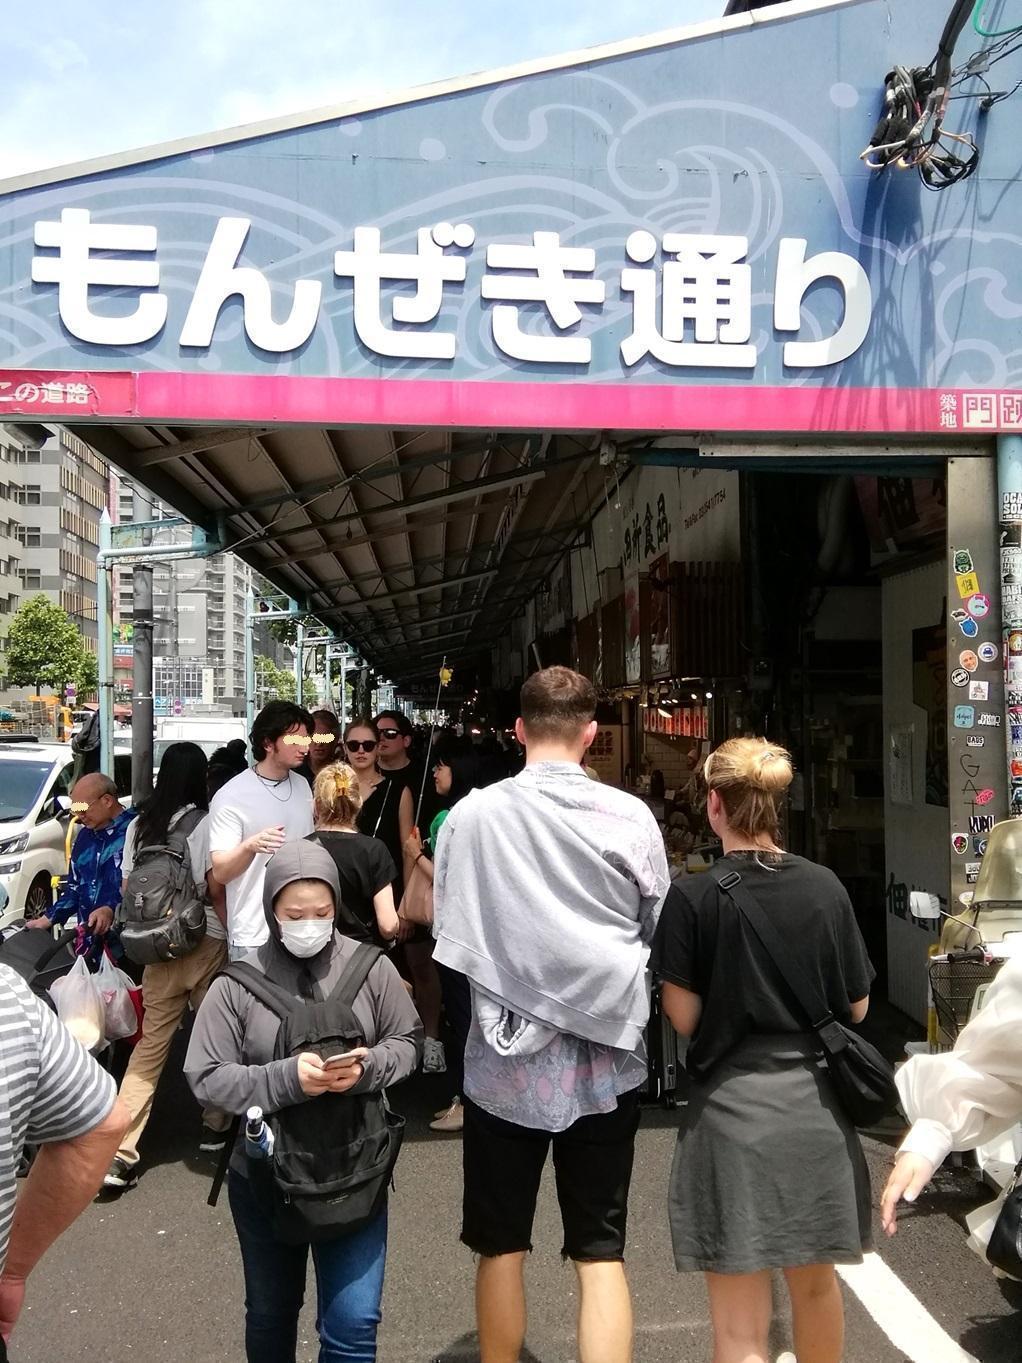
(417, 901)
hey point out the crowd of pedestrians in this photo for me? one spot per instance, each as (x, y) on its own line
(316, 989)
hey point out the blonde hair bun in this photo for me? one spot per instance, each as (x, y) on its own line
(336, 794)
(750, 775)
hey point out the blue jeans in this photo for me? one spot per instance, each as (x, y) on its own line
(349, 1285)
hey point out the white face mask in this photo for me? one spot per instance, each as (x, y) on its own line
(306, 936)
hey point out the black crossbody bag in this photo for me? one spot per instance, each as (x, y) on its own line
(1005, 1248)
(863, 1080)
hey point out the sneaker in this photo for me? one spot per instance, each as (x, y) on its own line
(211, 1141)
(434, 1061)
(120, 1176)
(451, 1120)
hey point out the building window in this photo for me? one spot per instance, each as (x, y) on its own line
(30, 536)
(31, 579)
(30, 495)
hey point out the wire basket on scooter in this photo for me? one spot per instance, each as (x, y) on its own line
(954, 981)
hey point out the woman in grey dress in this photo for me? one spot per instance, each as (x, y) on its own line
(768, 1172)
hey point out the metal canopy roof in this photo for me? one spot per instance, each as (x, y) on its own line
(413, 545)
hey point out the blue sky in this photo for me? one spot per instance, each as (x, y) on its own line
(104, 76)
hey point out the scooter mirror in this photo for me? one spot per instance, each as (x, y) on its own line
(924, 905)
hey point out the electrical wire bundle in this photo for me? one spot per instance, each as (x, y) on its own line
(910, 133)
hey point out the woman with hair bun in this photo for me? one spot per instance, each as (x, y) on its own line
(768, 1171)
(365, 868)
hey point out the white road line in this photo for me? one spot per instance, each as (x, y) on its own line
(901, 1316)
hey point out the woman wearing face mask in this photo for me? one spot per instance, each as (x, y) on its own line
(230, 1063)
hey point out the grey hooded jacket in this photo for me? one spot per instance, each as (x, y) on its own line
(230, 1062)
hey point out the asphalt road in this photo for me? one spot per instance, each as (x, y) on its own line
(156, 1274)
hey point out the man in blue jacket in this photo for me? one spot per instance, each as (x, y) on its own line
(93, 889)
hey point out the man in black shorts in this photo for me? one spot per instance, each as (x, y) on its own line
(547, 889)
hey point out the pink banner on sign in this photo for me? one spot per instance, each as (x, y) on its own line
(52, 393)
(548, 405)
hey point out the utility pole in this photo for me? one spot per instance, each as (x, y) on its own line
(142, 672)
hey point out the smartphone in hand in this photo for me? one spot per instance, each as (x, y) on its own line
(343, 1060)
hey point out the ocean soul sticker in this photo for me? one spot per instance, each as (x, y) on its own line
(965, 716)
(978, 606)
(959, 677)
(979, 690)
(987, 653)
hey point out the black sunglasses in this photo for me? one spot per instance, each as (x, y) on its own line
(390, 733)
(360, 744)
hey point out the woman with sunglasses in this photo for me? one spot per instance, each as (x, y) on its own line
(387, 811)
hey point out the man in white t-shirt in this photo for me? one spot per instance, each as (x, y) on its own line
(255, 814)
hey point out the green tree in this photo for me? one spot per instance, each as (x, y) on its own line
(44, 649)
(272, 682)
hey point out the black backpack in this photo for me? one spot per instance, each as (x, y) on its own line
(163, 915)
(333, 1155)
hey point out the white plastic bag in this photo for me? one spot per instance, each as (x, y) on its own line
(115, 988)
(80, 1005)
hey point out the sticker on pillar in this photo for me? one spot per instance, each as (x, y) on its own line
(969, 627)
(968, 584)
(989, 720)
(1015, 643)
(979, 847)
(972, 872)
(1015, 802)
(978, 606)
(959, 677)
(975, 740)
(979, 690)
(965, 716)
(963, 561)
(981, 823)
(987, 653)
(968, 659)
(1013, 698)
(983, 797)
(959, 614)
(959, 844)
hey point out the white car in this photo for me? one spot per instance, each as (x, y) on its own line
(35, 808)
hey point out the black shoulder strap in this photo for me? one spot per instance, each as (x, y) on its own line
(270, 995)
(347, 988)
(807, 997)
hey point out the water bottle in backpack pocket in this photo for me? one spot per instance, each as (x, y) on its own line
(332, 1155)
(163, 912)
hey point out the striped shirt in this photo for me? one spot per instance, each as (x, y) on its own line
(51, 1089)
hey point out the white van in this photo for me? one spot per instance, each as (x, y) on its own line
(208, 731)
(35, 809)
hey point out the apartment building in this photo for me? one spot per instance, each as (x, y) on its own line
(62, 488)
(199, 608)
(11, 452)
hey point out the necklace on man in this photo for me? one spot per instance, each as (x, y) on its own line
(270, 785)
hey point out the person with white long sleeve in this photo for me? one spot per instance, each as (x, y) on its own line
(964, 1098)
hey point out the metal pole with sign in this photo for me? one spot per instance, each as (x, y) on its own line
(105, 647)
(250, 679)
(1009, 503)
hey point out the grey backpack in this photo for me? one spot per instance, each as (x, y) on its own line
(163, 913)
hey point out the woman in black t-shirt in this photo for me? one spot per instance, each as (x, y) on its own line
(365, 868)
(768, 1171)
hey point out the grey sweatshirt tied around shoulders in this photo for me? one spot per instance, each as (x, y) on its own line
(547, 889)
(230, 1062)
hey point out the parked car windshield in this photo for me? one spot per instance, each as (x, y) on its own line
(20, 784)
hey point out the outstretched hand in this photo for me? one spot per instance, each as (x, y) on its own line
(909, 1177)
